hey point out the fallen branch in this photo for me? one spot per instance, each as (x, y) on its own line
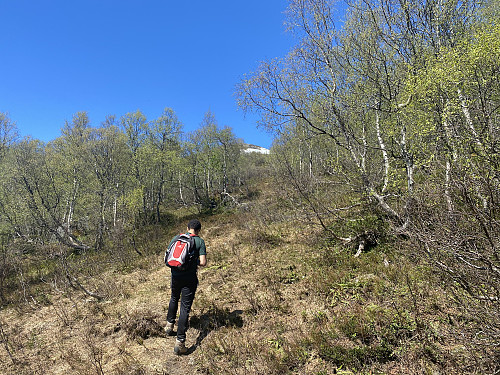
(75, 284)
(230, 196)
(367, 238)
(361, 247)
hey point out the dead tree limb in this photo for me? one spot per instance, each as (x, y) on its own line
(4, 339)
(75, 284)
(232, 198)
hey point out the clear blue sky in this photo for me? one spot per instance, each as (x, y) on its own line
(110, 57)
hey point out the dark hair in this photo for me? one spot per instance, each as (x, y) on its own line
(194, 224)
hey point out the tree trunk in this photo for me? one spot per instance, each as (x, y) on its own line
(384, 152)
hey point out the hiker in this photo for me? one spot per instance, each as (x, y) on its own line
(183, 286)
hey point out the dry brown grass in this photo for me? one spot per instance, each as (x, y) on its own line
(261, 308)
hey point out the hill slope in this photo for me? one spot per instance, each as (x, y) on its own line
(272, 300)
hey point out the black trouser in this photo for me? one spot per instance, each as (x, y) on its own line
(187, 288)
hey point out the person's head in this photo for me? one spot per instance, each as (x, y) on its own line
(195, 225)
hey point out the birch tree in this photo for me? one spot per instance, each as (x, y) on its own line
(350, 87)
(110, 162)
(164, 160)
(213, 156)
(134, 125)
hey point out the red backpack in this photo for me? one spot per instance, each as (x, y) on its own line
(182, 252)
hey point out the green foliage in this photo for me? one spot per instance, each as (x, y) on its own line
(213, 158)
(386, 137)
(356, 357)
(387, 130)
(94, 189)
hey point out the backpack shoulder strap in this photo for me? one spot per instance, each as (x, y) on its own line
(193, 236)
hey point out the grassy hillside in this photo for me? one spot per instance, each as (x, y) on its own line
(277, 297)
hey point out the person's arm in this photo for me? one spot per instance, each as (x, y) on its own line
(203, 260)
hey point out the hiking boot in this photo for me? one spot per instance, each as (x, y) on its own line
(180, 347)
(169, 329)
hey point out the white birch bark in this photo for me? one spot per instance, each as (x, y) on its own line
(468, 117)
(385, 156)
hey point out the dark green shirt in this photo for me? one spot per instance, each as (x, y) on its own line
(191, 271)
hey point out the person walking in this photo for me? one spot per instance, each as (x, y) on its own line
(183, 287)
